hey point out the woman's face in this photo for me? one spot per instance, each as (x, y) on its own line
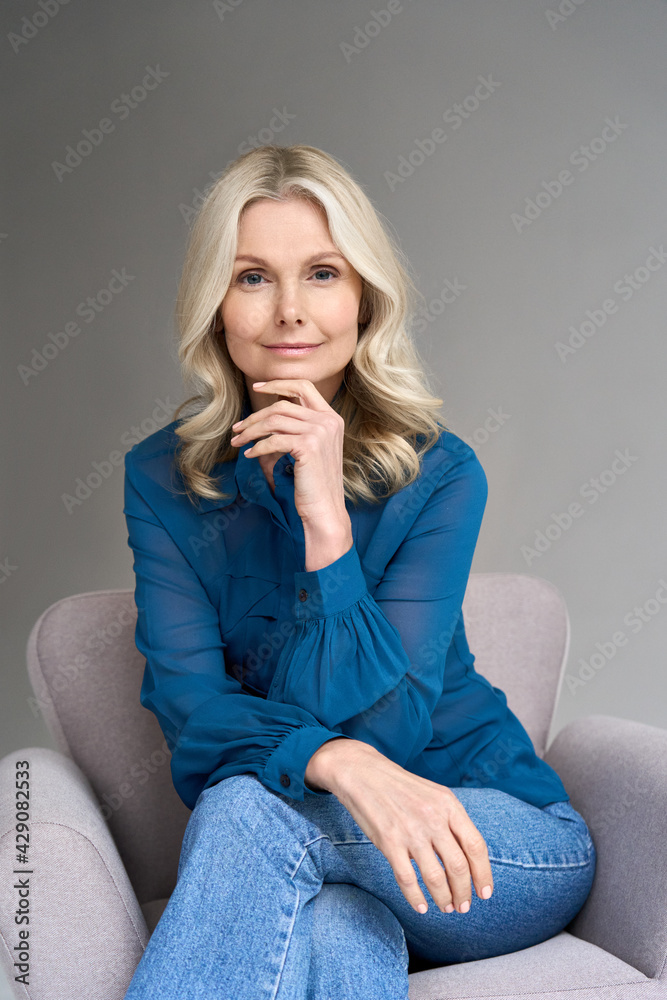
(298, 289)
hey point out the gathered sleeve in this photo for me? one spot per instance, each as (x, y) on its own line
(213, 728)
(372, 666)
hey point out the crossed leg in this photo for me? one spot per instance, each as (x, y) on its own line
(248, 917)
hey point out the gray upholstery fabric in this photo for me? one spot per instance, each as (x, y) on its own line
(87, 931)
(86, 673)
(519, 630)
(560, 967)
(103, 885)
(616, 773)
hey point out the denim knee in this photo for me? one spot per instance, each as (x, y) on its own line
(227, 803)
(236, 790)
(349, 912)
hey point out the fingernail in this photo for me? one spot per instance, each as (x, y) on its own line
(465, 906)
(422, 907)
(255, 384)
(486, 891)
(449, 908)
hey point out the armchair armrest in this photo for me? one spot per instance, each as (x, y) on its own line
(615, 772)
(86, 929)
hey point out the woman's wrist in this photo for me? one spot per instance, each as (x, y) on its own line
(332, 762)
(326, 543)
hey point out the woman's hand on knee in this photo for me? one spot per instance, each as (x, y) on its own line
(409, 817)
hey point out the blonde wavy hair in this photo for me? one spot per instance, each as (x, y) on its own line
(390, 414)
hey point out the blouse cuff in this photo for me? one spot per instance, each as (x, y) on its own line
(326, 591)
(285, 769)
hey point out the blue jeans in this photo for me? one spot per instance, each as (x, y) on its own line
(284, 900)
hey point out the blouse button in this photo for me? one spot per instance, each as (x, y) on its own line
(284, 780)
(303, 595)
(289, 470)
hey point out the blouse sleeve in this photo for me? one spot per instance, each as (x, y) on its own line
(212, 727)
(372, 667)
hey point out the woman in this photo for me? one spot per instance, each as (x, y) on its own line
(302, 546)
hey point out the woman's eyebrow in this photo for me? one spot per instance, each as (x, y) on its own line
(310, 260)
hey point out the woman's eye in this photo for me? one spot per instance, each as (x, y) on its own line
(254, 274)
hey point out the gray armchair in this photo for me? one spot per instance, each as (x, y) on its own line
(106, 824)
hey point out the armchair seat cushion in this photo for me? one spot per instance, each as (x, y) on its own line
(561, 967)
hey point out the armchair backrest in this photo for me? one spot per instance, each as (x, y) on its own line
(86, 675)
(519, 631)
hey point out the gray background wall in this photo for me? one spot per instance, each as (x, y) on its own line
(554, 80)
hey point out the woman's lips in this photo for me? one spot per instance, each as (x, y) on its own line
(292, 351)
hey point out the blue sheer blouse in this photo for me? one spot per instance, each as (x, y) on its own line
(252, 662)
